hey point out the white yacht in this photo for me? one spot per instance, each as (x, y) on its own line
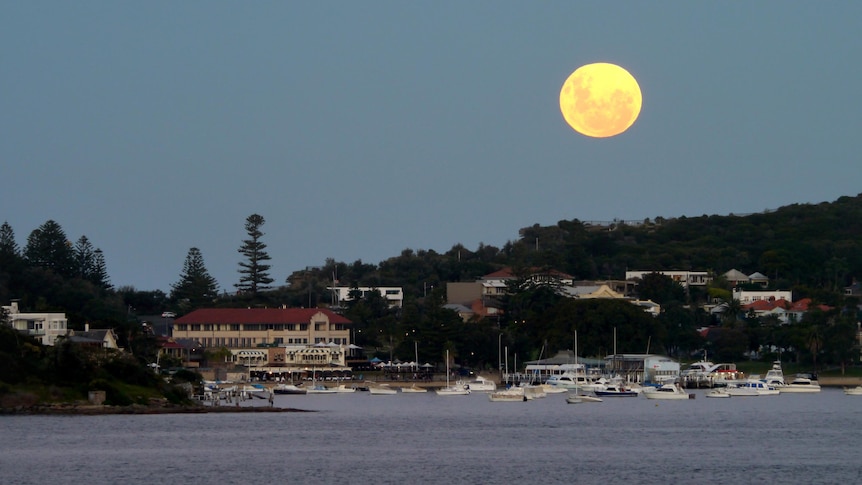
(801, 384)
(758, 387)
(775, 376)
(512, 394)
(479, 384)
(381, 390)
(853, 391)
(667, 392)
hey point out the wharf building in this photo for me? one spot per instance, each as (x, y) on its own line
(290, 343)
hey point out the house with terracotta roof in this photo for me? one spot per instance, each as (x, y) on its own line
(784, 310)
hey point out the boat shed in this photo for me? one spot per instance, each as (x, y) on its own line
(646, 368)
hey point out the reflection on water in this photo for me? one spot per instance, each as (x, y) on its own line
(425, 438)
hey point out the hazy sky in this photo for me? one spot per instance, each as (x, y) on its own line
(360, 129)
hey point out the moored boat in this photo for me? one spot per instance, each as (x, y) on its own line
(479, 384)
(288, 389)
(853, 391)
(669, 391)
(802, 383)
(413, 389)
(381, 390)
(513, 394)
(718, 393)
(614, 390)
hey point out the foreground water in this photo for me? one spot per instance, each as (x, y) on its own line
(425, 438)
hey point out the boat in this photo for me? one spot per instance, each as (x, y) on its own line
(669, 391)
(381, 390)
(512, 394)
(615, 390)
(775, 375)
(342, 388)
(289, 389)
(759, 387)
(479, 384)
(321, 389)
(553, 389)
(741, 389)
(575, 396)
(719, 393)
(802, 383)
(450, 390)
(413, 389)
(853, 391)
(318, 388)
(534, 391)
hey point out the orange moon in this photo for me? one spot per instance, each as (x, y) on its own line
(600, 100)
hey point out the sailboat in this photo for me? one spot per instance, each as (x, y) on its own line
(576, 397)
(451, 390)
(318, 388)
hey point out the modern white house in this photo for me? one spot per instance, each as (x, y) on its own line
(749, 296)
(684, 278)
(394, 295)
(45, 327)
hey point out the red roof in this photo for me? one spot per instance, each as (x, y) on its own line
(258, 315)
(802, 305)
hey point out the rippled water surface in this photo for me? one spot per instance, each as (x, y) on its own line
(425, 438)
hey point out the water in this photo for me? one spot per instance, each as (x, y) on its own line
(425, 438)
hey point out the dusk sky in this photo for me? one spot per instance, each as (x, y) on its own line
(360, 129)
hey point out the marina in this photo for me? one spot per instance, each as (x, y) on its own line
(357, 437)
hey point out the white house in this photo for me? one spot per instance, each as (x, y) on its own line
(685, 278)
(750, 296)
(394, 295)
(45, 327)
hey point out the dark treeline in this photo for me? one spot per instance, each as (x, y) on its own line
(812, 249)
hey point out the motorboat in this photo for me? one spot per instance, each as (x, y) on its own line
(288, 389)
(718, 393)
(853, 391)
(802, 383)
(759, 387)
(321, 389)
(669, 391)
(479, 384)
(382, 390)
(413, 389)
(775, 375)
(575, 396)
(570, 380)
(534, 391)
(615, 390)
(512, 394)
(342, 388)
(549, 389)
(741, 389)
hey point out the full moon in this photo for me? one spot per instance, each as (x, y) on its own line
(600, 100)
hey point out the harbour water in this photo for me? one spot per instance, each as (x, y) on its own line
(425, 438)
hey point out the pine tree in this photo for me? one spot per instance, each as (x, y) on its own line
(48, 247)
(84, 258)
(196, 286)
(10, 257)
(255, 277)
(99, 274)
